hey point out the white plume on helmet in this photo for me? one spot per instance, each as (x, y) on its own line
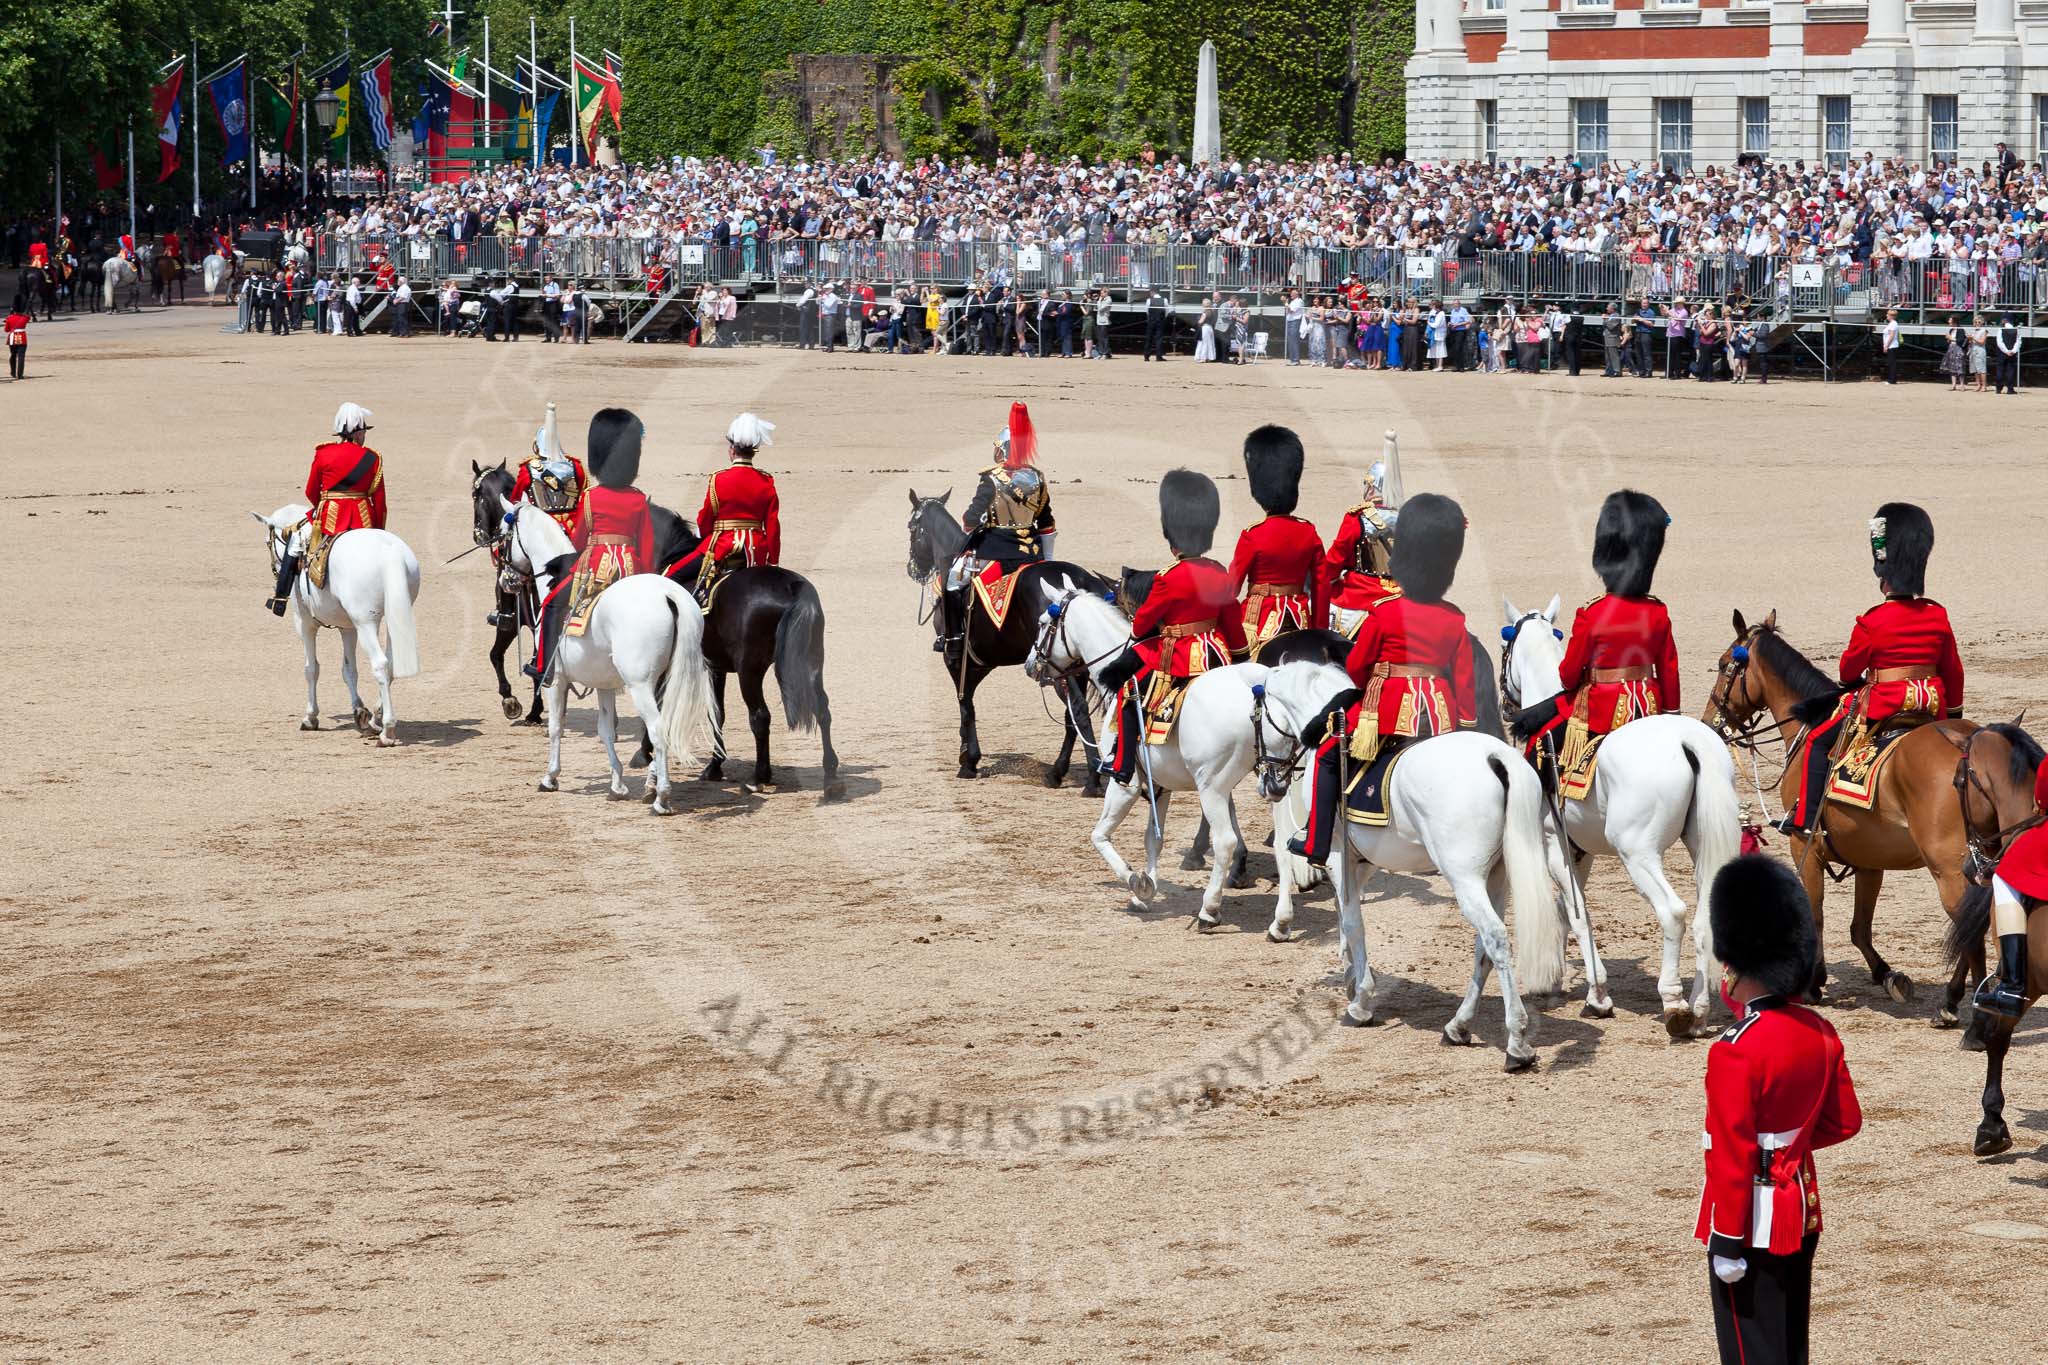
(547, 442)
(349, 416)
(749, 432)
(1384, 478)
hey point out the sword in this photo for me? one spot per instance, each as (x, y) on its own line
(471, 550)
(1563, 838)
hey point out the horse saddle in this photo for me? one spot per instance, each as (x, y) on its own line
(316, 557)
(1576, 759)
(1161, 705)
(584, 590)
(1860, 755)
(1365, 800)
(994, 590)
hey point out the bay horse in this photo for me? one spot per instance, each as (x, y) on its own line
(164, 271)
(1945, 794)
(936, 539)
(1966, 944)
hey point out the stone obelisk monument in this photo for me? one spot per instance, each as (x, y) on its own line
(1208, 123)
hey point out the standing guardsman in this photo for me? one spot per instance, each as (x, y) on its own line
(1188, 623)
(346, 488)
(551, 478)
(1356, 571)
(614, 537)
(1901, 659)
(741, 520)
(1778, 1090)
(1278, 564)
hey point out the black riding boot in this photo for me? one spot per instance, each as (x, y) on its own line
(287, 575)
(1314, 842)
(950, 601)
(546, 640)
(1121, 761)
(2005, 994)
(1819, 751)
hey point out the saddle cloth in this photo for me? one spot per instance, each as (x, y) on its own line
(1161, 705)
(584, 589)
(1577, 759)
(993, 589)
(1365, 801)
(316, 556)
(1853, 780)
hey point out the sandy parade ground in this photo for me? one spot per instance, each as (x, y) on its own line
(309, 1049)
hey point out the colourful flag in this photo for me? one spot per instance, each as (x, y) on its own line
(109, 167)
(169, 113)
(231, 106)
(341, 86)
(376, 83)
(274, 109)
(544, 118)
(597, 94)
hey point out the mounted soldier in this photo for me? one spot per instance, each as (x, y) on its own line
(614, 537)
(1356, 573)
(1900, 668)
(1278, 564)
(1412, 660)
(741, 520)
(1008, 522)
(1188, 623)
(1620, 664)
(552, 479)
(346, 489)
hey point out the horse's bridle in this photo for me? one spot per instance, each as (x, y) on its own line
(1054, 631)
(1276, 774)
(1511, 693)
(1734, 669)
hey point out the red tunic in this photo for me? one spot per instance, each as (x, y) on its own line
(1348, 578)
(1278, 567)
(522, 488)
(17, 329)
(39, 255)
(1193, 593)
(742, 515)
(386, 276)
(1906, 632)
(2025, 864)
(615, 527)
(1778, 1089)
(1404, 634)
(346, 488)
(1613, 632)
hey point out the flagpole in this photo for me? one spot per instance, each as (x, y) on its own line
(348, 132)
(249, 122)
(305, 133)
(487, 80)
(194, 102)
(575, 99)
(533, 80)
(131, 177)
(57, 209)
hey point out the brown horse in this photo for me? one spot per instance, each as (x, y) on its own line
(167, 272)
(1966, 938)
(1947, 792)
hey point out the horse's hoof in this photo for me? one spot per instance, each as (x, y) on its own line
(639, 760)
(1143, 888)
(1899, 987)
(387, 741)
(548, 784)
(1241, 881)
(713, 772)
(511, 707)
(1350, 1020)
(310, 723)
(1971, 1041)
(1275, 934)
(362, 718)
(1054, 777)
(1519, 1062)
(1455, 1036)
(1945, 1019)
(1192, 861)
(660, 807)
(1992, 1138)
(1679, 1023)
(1602, 1009)
(1092, 791)
(834, 791)
(1205, 920)
(967, 772)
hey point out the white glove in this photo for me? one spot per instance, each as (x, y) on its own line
(1729, 1269)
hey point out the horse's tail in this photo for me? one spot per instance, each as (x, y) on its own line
(800, 658)
(1539, 920)
(398, 622)
(688, 717)
(1966, 928)
(107, 288)
(1714, 825)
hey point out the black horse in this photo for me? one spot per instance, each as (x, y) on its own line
(513, 603)
(936, 540)
(40, 284)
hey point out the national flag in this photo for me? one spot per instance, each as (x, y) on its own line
(109, 168)
(340, 84)
(432, 119)
(544, 117)
(231, 105)
(597, 94)
(169, 112)
(276, 111)
(522, 128)
(376, 83)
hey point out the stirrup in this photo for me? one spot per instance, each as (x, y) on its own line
(1789, 827)
(530, 671)
(277, 604)
(1994, 996)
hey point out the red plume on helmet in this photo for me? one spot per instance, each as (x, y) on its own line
(1023, 441)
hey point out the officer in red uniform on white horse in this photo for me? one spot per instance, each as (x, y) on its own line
(1189, 622)
(741, 520)
(1778, 1090)
(1412, 659)
(1355, 573)
(614, 537)
(346, 489)
(552, 479)
(1901, 662)
(1278, 565)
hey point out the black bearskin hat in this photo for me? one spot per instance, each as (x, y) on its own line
(1763, 924)
(1188, 511)
(1272, 462)
(1429, 536)
(1901, 538)
(1627, 542)
(613, 450)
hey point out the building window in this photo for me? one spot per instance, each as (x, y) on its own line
(1489, 131)
(1494, 6)
(1941, 127)
(1589, 132)
(2041, 127)
(1756, 125)
(1835, 131)
(1674, 135)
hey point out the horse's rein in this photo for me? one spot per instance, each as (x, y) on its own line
(1507, 657)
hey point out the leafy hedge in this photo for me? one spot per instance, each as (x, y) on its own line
(1089, 77)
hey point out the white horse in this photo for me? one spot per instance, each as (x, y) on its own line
(1465, 805)
(117, 272)
(1216, 740)
(643, 633)
(372, 579)
(1659, 779)
(214, 272)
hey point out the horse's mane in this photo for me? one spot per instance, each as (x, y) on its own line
(2026, 756)
(673, 537)
(1795, 668)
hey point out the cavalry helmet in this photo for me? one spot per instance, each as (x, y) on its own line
(1188, 511)
(1017, 443)
(1627, 542)
(1901, 539)
(1383, 479)
(1762, 923)
(749, 433)
(1427, 547)
(1273, 459)
(613, 450)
